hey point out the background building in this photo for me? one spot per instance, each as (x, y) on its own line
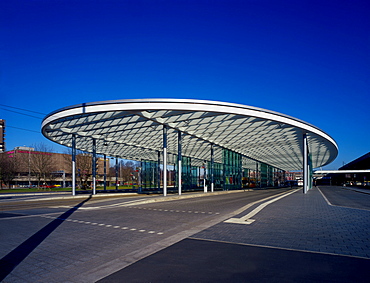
(355, 173)
(40, 168)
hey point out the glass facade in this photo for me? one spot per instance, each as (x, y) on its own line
(194, 176)
(149, 175)
(218, 176)
(263, 174)
(186, 174)
(228, 175)
(189, 174)
(232, 170)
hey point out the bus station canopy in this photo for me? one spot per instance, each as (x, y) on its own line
(133, 129)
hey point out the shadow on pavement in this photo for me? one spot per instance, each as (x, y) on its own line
(197, 260)
(16, 256)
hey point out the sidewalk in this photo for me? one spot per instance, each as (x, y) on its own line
(299, 238)
(150, 197)
(302, 222)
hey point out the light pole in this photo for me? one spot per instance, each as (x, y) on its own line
(29, 167)
(205, 177)
(117, 173)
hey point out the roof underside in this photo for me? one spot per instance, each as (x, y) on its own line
(133, 129)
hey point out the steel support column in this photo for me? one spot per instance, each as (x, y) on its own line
(205, 177)
(105, 172)
(73, 164)
(212, 168)
(164, 160)
(305, 164)
(257, 176)
(94, 167)
(199, 179)
(140, 177)
(159, 171)
(116, 173)
(179, 159)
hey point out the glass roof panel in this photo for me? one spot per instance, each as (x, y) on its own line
(135, 132)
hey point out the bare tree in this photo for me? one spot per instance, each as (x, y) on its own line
(127, 170)
(83, 166)
(67, 157)
(41, 161)
(8, 169)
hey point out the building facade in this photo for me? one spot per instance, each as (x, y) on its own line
(38, 168)
(352, 175)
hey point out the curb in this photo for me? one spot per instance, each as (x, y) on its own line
(170, 198)
(150, 199)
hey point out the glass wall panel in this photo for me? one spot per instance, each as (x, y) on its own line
(263, 174)
(149, 174)
(270, 176)
(189, 174)
(218, 180)
(217, 175)
(194, 176)
(186, 173)
(232, 170)
(245, 178)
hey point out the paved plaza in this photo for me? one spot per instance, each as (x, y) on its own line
(302, 222)
(323, 235)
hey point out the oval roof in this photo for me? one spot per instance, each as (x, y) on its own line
(133, 129)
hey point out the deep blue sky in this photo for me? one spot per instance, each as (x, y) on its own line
(307, 59)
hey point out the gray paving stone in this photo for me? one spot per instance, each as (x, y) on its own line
(301, 222)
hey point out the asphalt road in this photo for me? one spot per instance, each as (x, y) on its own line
(345, 197)
(88, 239)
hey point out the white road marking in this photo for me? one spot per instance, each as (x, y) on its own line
(105, 225)
(125, 203)
(172, 210)
(247, 218)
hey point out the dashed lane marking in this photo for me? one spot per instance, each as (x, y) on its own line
(173, 210)
(103, 225)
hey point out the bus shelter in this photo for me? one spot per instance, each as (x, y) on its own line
(230, 145)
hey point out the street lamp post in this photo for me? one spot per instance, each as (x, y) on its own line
(117, 173)
(29, 167)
